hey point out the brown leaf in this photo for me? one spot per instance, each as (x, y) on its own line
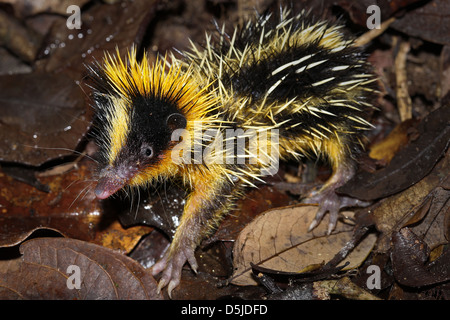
(70, 208)
(26, 175)
(346, 288)
(25, 208)
(386, 149)
(429, 221)
(433, 19)
(42, 110)
(24, 42)
(32, 282)
(394, 212)
(10, 64)
(409, 256)
(409, 165)
(160, 207)
(104, 28)
(254, 203)
(104, 273)
(279, 240)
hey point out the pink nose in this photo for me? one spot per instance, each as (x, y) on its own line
(107, 186)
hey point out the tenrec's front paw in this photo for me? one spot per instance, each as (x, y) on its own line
(330, 201)
(171, 265)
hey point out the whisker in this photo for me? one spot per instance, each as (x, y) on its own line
(84, 189)
(70, 184)
(137, 204)
(64, 149)
(86, 193)
(130, 195)
(166, 215)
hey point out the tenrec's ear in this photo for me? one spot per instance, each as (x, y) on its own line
(176, 121)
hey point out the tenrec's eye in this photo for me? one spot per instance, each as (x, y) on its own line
(147, 151)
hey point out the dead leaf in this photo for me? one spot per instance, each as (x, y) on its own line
(26, 175)
(254, 203)
(70, 209)
(46, 111)
(431, 227)
(394, 212)
(16, 231)
(386, 149)
(159, 207)
(409, 165)
(10, 64)
(119, 238)
(104, 273)
(444, 68)
(346, 288)
(23, 41)
(103, 28)
(433, 19)
(18, 286)
(409, 257)
(278, 240)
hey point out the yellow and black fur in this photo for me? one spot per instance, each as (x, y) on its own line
(298, 83)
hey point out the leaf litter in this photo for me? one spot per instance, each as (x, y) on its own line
(278, 240)
(46, 190)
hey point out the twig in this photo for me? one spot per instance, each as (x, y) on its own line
(372, 34)
(404, 102)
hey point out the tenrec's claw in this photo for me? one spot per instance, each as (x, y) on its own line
(161, 284)
(171, 265)
(172, 285)
(330, 201)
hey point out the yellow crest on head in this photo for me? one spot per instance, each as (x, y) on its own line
(172, 82)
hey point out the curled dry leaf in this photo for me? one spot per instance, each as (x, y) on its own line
(386, 149)
(278, 239)
(433, 19)
(41, 115)
(409, 165)
(389, 216)
(160, 208)
(103, 28)
(428, 221)
(15, 283)
(409, 257)
(44, 115)
(23, 41)
(69, 208)
(44, 273)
